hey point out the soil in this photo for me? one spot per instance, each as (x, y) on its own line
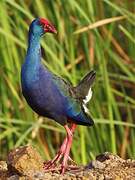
(25, 163)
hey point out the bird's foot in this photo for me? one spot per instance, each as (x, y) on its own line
(74, 168)
(60, 168)
(63, 152)
(57, 158)
(53, 163)
(70, 168)
(72, 161)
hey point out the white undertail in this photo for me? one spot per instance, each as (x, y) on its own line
(88, 97)
(86, 100)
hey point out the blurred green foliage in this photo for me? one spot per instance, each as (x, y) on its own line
(109, 49)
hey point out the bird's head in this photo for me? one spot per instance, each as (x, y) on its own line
(40, 26)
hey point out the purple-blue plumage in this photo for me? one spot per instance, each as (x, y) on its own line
(47, 94)
(51, 96)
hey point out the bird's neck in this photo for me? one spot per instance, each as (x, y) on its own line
(34, 50)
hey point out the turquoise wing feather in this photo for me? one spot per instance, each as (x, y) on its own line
(73, 106)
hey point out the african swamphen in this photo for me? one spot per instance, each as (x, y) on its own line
(51, 96)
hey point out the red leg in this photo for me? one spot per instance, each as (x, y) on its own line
(62, 150)
(69, 143)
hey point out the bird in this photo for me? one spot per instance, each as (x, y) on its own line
(51, 96)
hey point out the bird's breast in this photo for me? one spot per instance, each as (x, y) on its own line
(41, 93)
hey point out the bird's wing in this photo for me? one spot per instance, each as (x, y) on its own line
(74, 107)
(76, 112)
(65, 87)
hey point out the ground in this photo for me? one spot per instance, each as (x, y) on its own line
(25, 163)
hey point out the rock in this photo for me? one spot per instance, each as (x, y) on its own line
(3, 170)
(25, 161)
(108, 156)
(14, 177)
(96, 165)
(3, 166)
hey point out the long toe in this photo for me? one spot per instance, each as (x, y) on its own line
(63, 169)
(52, 163)
(48, 165)
(71, 161)
(57, 158)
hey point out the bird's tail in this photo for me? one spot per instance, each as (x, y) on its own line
(83, 87)
(83, 119)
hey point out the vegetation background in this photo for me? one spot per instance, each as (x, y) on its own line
(92, 34)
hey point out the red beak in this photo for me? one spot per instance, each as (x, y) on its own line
(48, 27)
